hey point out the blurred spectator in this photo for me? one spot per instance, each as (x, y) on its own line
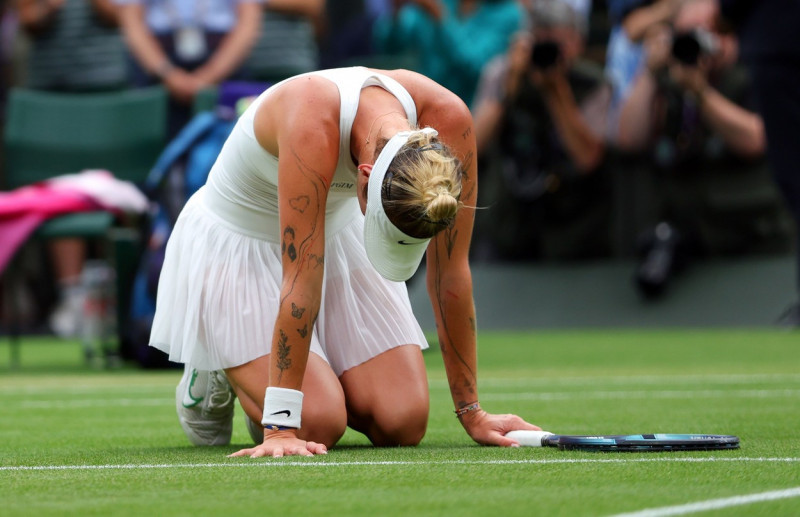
(770, 43)
(68, 257)
(631, 19)
(689, 107)
(75, 45)
(345, 31)
(8, 32)
(188, 45)
(287, 44)
(452, 40)
(582, 8)
(540, 126)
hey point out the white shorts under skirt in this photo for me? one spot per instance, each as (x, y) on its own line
(219, 289)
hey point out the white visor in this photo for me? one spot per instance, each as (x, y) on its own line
(395, 255)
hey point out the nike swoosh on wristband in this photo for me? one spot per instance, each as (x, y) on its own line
(288, 413)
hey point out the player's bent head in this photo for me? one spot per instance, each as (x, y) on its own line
(412, 194)
(422, 186)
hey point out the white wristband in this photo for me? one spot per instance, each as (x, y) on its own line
(282, 407)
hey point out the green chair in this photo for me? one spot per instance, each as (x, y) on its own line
(49, 134)
(205, 100)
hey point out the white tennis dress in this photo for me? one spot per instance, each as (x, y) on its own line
(219, 288)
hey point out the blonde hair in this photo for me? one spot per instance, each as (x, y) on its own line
(421, 190)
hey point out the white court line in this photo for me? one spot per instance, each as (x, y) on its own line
(496, 382)
(270, 462)
(489, 396)
(114, 385)
(79, 403)
(714, 504)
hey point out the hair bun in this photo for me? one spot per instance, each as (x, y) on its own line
(441, 206)
(425, 188)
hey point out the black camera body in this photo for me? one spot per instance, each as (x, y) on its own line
(545, 54)
(687, 47)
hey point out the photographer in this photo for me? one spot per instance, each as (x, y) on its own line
(540, 116)
(450, 40)
(771, 49)
(689, 108)
(630, 21)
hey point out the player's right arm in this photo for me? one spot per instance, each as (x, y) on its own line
(301, 123)
(308, 144)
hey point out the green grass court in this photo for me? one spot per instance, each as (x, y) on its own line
(77, 441)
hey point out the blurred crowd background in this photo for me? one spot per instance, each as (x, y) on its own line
(607, 129)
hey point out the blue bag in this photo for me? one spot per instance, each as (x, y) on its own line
(181, 169)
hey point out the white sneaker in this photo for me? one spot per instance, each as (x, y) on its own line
(205, 401)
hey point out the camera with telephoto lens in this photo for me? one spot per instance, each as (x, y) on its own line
(688, 46)
(545, 54)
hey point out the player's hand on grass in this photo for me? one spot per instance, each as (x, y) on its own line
(488, 429)
(282, 443)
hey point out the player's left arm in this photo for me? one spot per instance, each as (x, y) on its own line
(449, 278)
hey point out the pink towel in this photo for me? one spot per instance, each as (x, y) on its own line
(24, 209)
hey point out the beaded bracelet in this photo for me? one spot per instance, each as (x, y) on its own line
(280, 428)
(466, 409)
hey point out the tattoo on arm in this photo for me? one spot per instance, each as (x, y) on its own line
(287, 246)
(297, 312)
(284, 362)
(466, 168)
(466, 380)
(297, 246)
(450, 236)
(445, 343)
(466, 165)
(469, 384)
(316, 260)
(300, 203)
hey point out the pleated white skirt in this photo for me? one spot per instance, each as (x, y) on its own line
(219, 288)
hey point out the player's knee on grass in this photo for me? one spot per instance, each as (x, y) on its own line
(323, 424)
(403, 425)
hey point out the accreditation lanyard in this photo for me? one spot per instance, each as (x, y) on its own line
(190, 40)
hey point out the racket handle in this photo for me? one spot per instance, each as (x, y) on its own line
(530, 438)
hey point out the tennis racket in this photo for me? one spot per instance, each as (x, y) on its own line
(627, 442)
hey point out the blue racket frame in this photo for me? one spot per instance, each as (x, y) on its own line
(643, 442)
